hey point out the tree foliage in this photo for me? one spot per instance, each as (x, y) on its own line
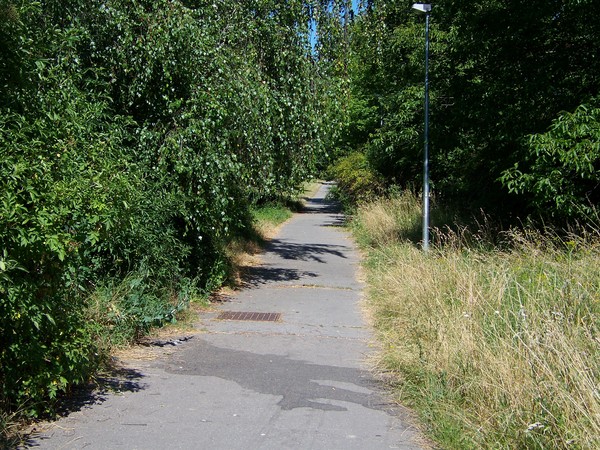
(561, 168)
(134, 138)
(500, 73)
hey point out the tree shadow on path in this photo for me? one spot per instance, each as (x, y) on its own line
(117, 380)
(258, 276)
(305, 252)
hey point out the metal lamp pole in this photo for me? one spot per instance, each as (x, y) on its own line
(426, 8)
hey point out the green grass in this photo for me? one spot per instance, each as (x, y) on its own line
(269, 216)
(272, 215)
(494, 347)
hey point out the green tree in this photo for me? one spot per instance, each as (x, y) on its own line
(500, 71)
(561, 172)
(134, 138)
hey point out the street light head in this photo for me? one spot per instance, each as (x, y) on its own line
(423, 7)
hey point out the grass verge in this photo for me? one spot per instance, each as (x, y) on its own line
(493, 346)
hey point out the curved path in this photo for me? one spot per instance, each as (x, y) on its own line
(295, 383)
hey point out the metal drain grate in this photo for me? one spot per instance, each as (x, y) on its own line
(253, 316)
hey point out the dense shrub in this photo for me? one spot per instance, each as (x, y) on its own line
(561, 172)
(64, 184)
(135, 136)
(355, 178)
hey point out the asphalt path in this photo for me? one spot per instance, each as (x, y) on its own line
(298, 382)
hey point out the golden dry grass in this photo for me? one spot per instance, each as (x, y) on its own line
(497, 349)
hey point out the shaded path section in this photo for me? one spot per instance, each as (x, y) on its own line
(297, 383)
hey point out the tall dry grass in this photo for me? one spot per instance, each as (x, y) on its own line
(495, 348)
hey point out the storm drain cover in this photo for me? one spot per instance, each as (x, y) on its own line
(254, 316)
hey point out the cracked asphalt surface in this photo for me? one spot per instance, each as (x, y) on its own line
(298, 383)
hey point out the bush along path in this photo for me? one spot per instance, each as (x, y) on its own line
(278, 364)
(135, 140)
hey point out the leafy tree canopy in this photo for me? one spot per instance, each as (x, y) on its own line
(500, 72)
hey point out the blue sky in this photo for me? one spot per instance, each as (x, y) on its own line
(354, 8)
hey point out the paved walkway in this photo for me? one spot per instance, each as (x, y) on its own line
(296, 383)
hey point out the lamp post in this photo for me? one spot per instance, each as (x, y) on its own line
(426, 8)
